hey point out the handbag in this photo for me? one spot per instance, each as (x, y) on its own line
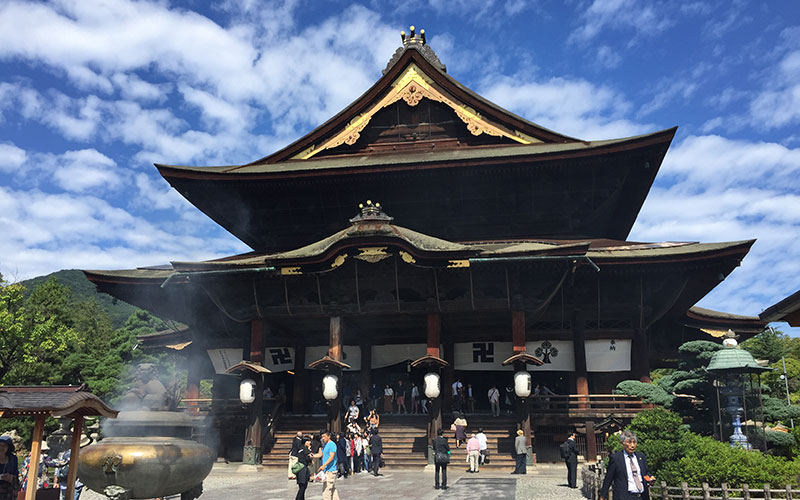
(296, 468)
(441, 457)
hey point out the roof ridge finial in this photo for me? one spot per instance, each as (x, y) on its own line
(371, 212)
(413, 38)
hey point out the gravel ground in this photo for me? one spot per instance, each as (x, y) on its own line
(544, 482)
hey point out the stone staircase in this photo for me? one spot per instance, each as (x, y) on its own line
(500, 433)
(404, 439)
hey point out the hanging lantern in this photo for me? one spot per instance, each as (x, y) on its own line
(247, 391)
(522, 384)
(432, 385)
(330, 391)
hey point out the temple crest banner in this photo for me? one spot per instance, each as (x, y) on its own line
(608, 355)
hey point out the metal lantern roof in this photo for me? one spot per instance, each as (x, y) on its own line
(734, 360)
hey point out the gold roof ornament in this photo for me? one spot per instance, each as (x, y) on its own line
(371, 212)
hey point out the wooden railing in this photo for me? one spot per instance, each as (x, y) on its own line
(599, 403)
(592, 477)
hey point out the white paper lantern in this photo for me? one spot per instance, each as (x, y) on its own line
(247, 391)
(432, 385)
(329, 389)
(522, 384)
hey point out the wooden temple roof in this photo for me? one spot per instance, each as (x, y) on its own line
(716, 323)
(55, 400)
(441, 154)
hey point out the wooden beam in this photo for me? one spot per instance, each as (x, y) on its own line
(335, 338)
(591, 443)
(74, 451)
(36, 451)
(299, 389)
(252, 437)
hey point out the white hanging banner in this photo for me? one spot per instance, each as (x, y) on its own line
(222, 359)
(608, 355)
(558, 355)
(351, 354)
(487, 356)
(387, 355)
(279, 359)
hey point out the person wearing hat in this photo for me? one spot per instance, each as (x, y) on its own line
(9, 469)
(521, 450)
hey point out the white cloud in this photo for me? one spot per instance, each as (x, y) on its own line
(643, 18)
(778, 105)
(11, 157)
(79, 171)
(571, 106)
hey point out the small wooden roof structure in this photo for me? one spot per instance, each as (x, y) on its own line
(75, 402)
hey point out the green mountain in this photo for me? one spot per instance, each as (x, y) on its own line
(82, 289)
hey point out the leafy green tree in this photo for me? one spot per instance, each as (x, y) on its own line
(771, 344)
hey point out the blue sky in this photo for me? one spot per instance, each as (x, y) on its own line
(92, 92)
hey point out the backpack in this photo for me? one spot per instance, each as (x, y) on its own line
(564, 449)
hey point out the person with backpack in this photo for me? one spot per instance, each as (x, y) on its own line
(521, 450)
(569, 452)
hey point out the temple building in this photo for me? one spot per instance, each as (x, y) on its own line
(424, 229)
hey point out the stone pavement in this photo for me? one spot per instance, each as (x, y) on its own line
(544, 482)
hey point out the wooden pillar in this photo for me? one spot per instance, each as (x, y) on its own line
(579, 346)
(591, 443)
(36, 451)
(434, 329)
(192, 387)
(523, 405)
(641, 355)
(335, 352)
(74, 451)
(300, 385)
(448, 375)
(252, 436)
(366, 371)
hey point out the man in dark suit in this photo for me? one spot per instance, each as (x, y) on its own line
(572, 461)
(627, 472)
(376, 449)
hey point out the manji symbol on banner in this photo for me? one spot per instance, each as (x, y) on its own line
(483, 352)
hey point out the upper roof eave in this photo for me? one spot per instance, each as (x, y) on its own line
(473, 154)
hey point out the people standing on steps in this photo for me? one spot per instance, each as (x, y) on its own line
(458, 391)
(460, 428)
(470, 399)
(376, 449)
(352, 412)
(521, 453)
(441, 457)
(484, 445)
(328, 459)
(400, 397)
(341, 455)
(571, 459)
(414, 398)
(494, 400)
(473, 453)
(374, 396)
(388, 399)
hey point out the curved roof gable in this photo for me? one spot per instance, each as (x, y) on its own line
(414, 74)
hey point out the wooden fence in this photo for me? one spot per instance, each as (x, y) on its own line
(592, 478)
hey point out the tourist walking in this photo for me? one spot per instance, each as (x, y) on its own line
(460, 428)
(304, 457)
(484, 446)
(376, 449)
(521, 453)
(9, 469)
(353, 412)
(388, 398)
(569, 452)
(441, 457)
(494, 400)
(473, 453)
(328, 456)
(341, 455)
(373, 421)
(400, 397)
(297, 443)
(627, 472)
(458, 391)
(414, 398)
